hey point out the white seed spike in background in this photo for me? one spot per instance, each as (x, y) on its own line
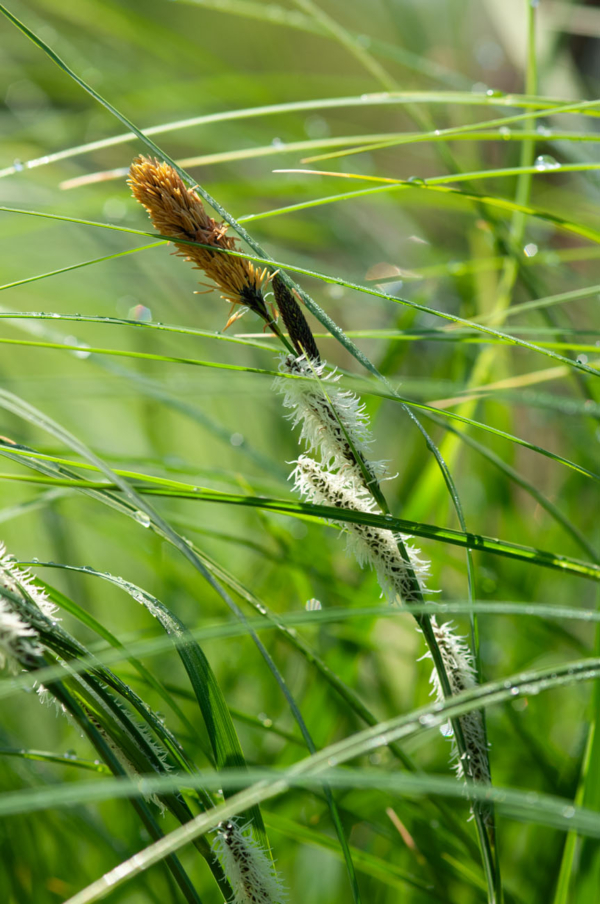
(18, 638)
(250, 872)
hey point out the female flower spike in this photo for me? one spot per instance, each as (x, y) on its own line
(459, 668)
(372, 545)
(251, 874)
(177, 211)
(332, 419)
(19, 597)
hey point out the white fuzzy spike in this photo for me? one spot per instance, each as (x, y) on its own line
(458, 663)
(250, 872)
(18, 638)
(371, 545)
(329, 416)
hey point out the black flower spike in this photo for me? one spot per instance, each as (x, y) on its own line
(295, 321)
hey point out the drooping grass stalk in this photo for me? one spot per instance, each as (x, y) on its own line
(336, 428)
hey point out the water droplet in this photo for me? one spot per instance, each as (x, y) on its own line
(530, 250)
(505, 132)
(142, 518)
(545, 162)
(437, 132)
(18, 165)
(313, 605)
(543, 130)
(278, 143)
(515, 691)
(236, 439)
(493, 92)
(416, 180)
(568, 812)
(427, 720)
(582, 359)
(140, 313)
(446, 730)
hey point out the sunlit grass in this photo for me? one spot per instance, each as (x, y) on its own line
(145, 454)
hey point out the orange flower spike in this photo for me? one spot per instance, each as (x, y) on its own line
(177, 211)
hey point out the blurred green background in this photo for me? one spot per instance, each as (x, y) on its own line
(160, 62)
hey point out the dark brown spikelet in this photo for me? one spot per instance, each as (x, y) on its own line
(177, 211)
(295, 321)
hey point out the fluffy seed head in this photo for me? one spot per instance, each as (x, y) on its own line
(176, 210)
(250, 872)
(329, 416)
(370, 545)
(19, 640)
(458, 663)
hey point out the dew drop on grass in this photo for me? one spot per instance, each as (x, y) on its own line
(313, 605)
(18, 165)
(427, 720)
(545, 162)
(142, 518)
(504, 132)
(416, 180)
(568, 812)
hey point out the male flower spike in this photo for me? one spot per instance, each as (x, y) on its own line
(177, 211)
